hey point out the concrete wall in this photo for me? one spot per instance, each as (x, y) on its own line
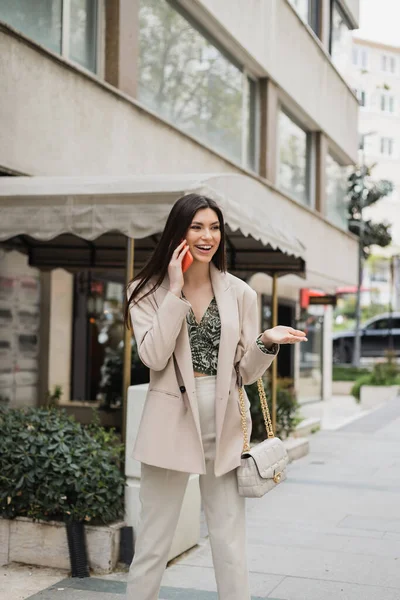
(55, 120)
(312, 83)
(59, 121)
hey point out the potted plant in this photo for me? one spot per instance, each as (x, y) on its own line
(54, 469)
(286, 408)
(380, 385)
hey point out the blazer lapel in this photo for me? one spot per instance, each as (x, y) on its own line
(230, 334)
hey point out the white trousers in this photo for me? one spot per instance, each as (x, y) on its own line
(161, 496)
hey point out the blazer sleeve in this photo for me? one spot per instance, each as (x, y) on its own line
(254, 360)
(156, 328)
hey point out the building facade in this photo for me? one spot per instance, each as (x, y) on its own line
(150, 87)
(373, 70)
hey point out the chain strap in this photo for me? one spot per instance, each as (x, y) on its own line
(265, 411)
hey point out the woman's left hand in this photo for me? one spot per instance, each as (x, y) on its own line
(282, 335)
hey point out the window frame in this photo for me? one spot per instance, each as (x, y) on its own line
(313, 16)
(361, 97)
(335, 157)
(310, 187)
(255, 119)
(336, 4)
(387, 100)
(387, 62)
(387, 147)
(99, 37)
(65, 37)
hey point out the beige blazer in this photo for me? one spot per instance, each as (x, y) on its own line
(169, 433)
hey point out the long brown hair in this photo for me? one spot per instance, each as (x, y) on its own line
(178, 222)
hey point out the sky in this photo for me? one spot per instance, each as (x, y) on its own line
(380, 21)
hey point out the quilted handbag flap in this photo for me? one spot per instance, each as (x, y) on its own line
(270, 457)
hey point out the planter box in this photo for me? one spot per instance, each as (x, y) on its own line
(342, 388)
(306, 427)
(296, 448)
(372, 396)
(44, 543)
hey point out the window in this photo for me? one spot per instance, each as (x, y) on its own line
(387, 146)
(360, 57)
(361, 96)
(387, 103)
(388, 63)
(340, 37)
(68, 27)
(294, 159)
(98, 339)
(189, 81)
(336, 192)
(308, 10)
(378, 325)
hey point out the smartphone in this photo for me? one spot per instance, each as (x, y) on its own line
(187, 261)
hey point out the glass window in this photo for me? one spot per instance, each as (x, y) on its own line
(98, 346)
(387, 146)
(190, 82)
(308, 10)
(364, 59)
(387, 103)
(388, 63)
(40, 20)
(336, 192)
(377, 325)
(294, 159)
(362, 97)
(341, 38)
(83, 33)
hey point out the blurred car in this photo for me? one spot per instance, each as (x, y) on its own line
(378, 334)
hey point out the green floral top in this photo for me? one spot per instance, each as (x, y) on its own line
(204, 340)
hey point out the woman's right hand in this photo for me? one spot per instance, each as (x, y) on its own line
(175, 272)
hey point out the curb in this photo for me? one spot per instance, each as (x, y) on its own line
(296, 448)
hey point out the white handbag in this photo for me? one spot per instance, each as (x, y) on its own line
(263, 466)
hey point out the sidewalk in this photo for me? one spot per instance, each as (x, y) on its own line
(331, 531)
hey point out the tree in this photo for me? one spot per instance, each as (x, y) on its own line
(364, 192)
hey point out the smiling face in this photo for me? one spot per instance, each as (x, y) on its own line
(204, 235)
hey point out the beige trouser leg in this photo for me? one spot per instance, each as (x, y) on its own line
(226, 520)
(161, 496)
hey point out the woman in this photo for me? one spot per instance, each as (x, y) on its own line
(197, 332)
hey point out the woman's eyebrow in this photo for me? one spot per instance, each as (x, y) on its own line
(200, 223)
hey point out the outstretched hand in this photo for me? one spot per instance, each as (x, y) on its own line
(283, 335)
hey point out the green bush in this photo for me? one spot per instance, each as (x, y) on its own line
(341, 373)
(51, 467)
(363, 380)
(384, 373)
(286, 408)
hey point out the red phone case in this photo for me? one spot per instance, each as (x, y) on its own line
(187, 261)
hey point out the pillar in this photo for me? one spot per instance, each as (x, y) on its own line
(122, 45)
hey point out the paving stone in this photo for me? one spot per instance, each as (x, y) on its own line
(186, 576)
(296, 588)
(371, 524)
